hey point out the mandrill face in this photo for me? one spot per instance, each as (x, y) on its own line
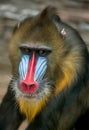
(35, 51)
(44, 57)
(32, 69)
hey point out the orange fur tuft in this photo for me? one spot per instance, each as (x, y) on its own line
(70, 68)
(31, 108)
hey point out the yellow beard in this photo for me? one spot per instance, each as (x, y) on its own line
(31, 108)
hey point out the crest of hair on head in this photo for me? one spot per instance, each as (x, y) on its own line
(49, 13)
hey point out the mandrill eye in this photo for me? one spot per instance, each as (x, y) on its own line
(25, 50)
(43, 52)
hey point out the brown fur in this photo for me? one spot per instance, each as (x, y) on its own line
(67, 67)
(41, 31)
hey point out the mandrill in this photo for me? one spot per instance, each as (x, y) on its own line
(50, 76)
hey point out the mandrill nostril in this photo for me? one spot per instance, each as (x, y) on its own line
(29, 88)
(24, 85)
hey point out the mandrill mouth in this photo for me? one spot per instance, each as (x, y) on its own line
(44, 88)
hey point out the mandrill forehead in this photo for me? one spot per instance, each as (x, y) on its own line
(38, 34)
(39, 28)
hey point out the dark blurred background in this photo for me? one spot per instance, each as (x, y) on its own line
(74, 12)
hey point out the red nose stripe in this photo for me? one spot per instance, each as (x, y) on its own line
(31, 69)
(28, 85)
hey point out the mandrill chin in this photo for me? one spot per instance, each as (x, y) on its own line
(50, 76)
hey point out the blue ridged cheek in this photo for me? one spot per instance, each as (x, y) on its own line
(41, 67)
(23, 66)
